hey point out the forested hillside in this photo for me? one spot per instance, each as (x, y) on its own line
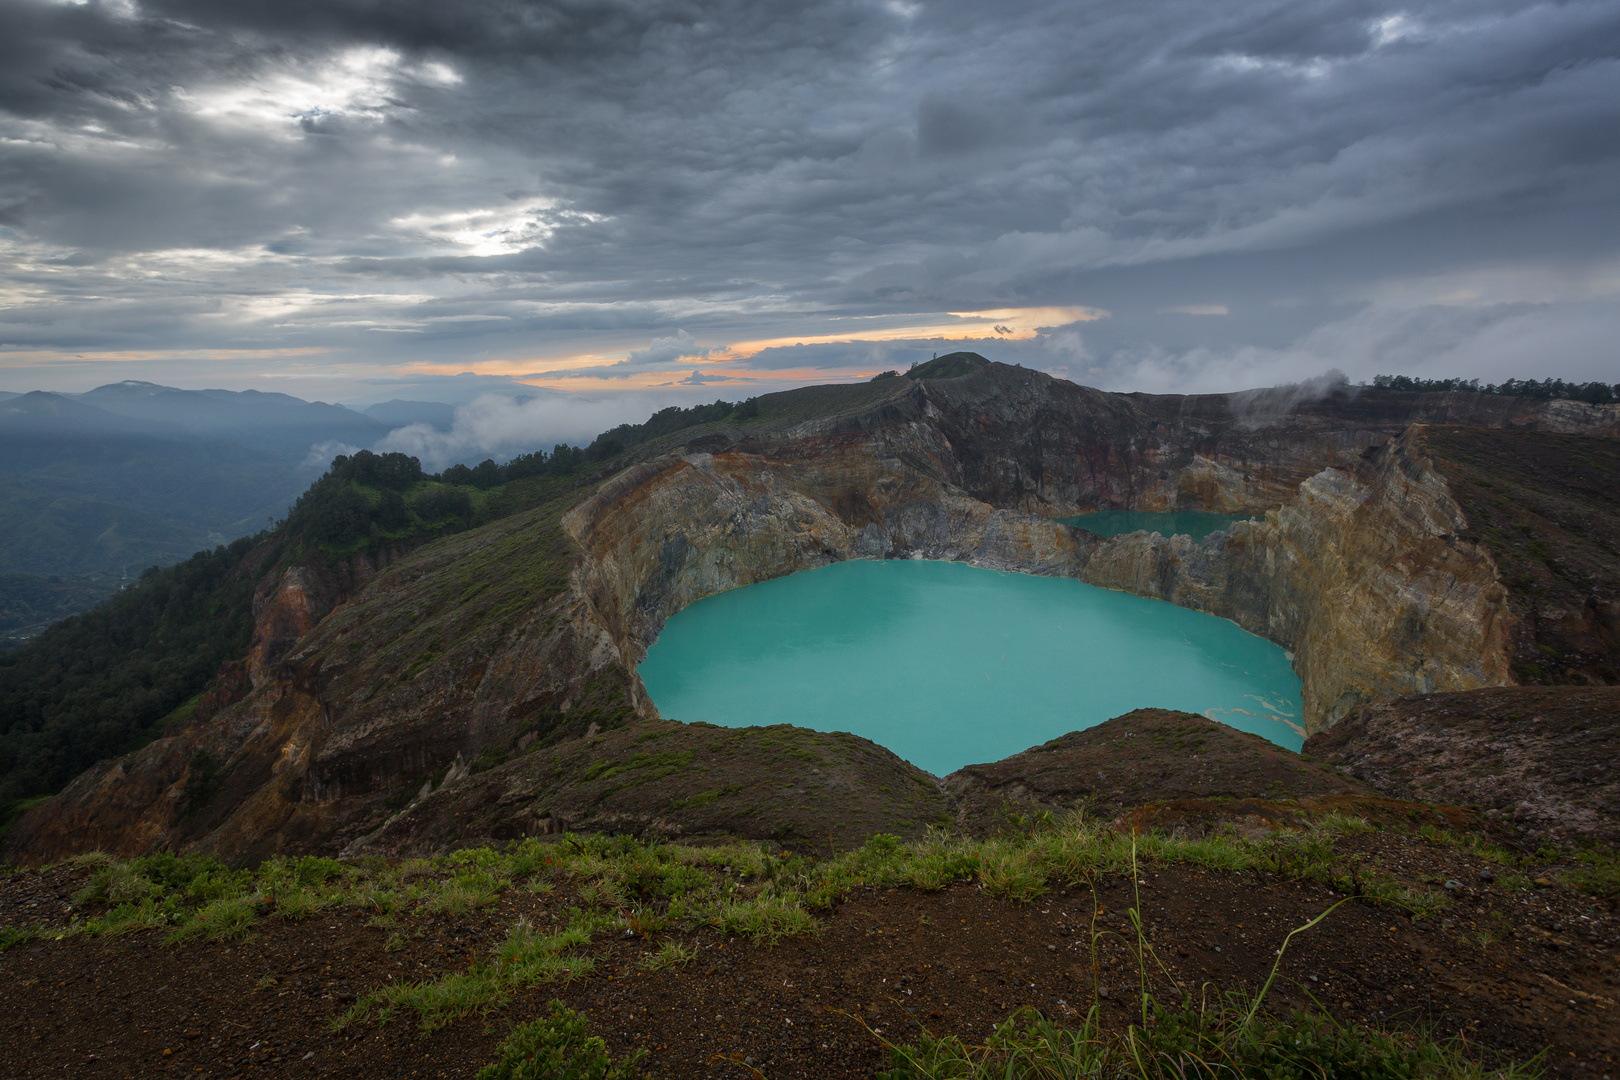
(105, 682)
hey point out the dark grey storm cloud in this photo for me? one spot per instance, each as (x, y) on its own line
(1250, 191)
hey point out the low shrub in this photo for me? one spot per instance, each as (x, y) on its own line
(557, 1047)
(764, 918)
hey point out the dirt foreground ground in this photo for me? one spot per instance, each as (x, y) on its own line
(1509, 969)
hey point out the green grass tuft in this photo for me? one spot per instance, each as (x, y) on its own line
(671, 954)
(1206, 1041)
(222, 920)
(556, 1047)
(12, 936)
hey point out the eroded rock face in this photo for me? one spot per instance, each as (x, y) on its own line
(1543, 504)
(370, 684)
(1365, 576)
(687, 525)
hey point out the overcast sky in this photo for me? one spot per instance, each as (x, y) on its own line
(345, 199)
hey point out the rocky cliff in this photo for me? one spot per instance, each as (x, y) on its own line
(974, 468)
(1364, 575)
(415, 677)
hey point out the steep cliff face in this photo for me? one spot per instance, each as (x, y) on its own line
(1364, 575)
(1022, 440)
(690, 524)
(971, 468)
(374, 686)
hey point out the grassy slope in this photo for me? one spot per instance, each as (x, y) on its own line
(823, 790)
(611, 913)
(1153, 755)
(816, 402)
(100, 684)
(431, 603)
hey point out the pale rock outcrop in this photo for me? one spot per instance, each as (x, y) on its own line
(1362, 576)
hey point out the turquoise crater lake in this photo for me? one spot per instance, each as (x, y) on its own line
(947, 664)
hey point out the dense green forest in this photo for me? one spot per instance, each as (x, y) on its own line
(103, 683)
(1593, 393)
(93, 684)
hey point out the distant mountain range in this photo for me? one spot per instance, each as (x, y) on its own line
(95, 487)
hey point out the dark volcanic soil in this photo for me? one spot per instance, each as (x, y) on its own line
(670, 780)
(955, 961)
(1150, 755)
(817, 791)
(1545, 506)
(1542, 761)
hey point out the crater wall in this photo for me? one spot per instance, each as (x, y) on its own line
(367, 692)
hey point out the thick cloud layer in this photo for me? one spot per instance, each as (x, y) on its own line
(670, 192)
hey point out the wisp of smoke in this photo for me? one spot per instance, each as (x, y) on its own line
(497, 426)
(1257, 407)
(321, 454)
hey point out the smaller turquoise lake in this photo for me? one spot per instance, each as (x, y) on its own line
(1194, 523)
(947, 664)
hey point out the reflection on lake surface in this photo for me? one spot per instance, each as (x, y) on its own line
(947, 664)
(1194, 523)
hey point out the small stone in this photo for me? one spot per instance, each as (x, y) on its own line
(1102, 992)
(1486, 875)
(1454, 884)
(1051, 948)
(1543, 882)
